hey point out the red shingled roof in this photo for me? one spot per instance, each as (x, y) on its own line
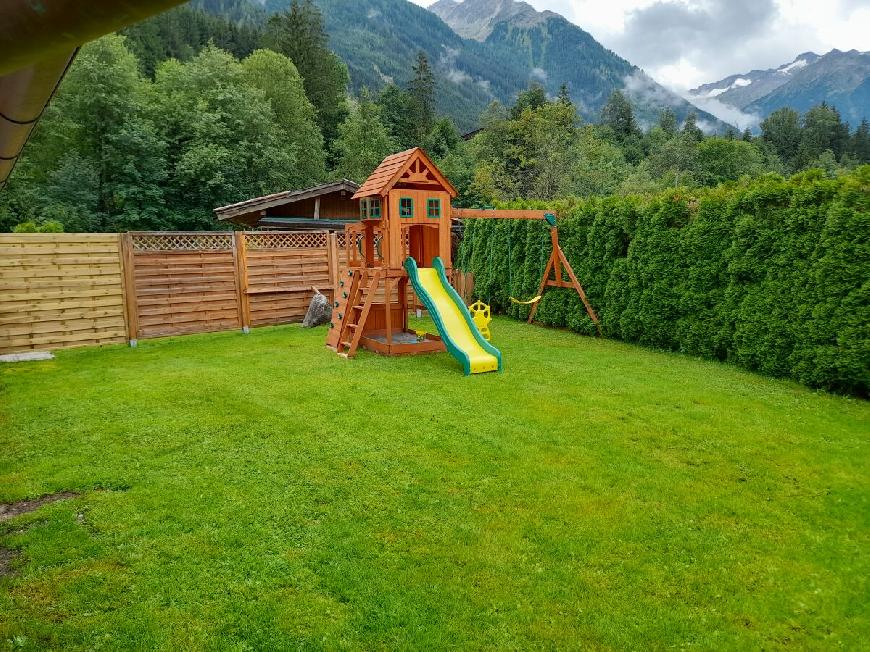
(391, 169)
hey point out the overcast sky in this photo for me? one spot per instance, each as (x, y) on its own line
(684, 43)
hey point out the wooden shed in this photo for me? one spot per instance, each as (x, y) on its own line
(329, 206)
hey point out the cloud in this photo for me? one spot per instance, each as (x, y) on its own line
(729, 114)
(639, 84)
(538, 73)
(667, 30)
(458, 76)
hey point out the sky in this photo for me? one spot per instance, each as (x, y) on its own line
(685, 43)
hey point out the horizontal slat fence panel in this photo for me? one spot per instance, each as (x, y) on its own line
(282, 271)
(184, 283)
(60, 289)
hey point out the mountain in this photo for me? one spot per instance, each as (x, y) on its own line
(841, 79)
(556, 52)
(477, 20)
(481, 50)
(741, 90)
(379, 41)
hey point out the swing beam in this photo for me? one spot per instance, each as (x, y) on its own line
(557, 265)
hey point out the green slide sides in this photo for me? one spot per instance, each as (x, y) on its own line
(455, 325)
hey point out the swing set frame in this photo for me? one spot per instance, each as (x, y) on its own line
(557, 266)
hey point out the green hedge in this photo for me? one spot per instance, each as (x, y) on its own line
(772, 274)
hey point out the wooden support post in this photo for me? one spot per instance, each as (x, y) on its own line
(317, 208)
(131, 305)
(240, 259)
(388, 305)
(332, 261)
(541, 287)
(368, 244)
(557, 261)
(589, 310)
(403, 301)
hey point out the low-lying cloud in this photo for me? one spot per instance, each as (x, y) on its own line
(727, 113)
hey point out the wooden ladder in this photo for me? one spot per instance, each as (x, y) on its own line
(347, 287)
(352, 311)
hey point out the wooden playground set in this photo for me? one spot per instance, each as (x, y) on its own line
(404, 237)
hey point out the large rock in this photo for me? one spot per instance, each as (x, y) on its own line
(319, 311)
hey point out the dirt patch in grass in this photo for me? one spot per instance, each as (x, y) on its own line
(7, 556)
(11, 510)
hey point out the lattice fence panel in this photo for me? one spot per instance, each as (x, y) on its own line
(297, 240)
(182, 241)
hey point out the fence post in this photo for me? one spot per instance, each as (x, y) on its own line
(128, 274)
(332, 258)
(240, 258)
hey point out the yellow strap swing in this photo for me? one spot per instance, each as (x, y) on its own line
(530, 302)
(519, 302)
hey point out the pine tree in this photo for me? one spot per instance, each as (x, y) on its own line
(617, 116)
(421, 91)
(300, 35)
(859, 144)
(668, 121)
(691, 129)
(782, 130)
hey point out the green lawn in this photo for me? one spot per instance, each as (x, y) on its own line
(259, 492)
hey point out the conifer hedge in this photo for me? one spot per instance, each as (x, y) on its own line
(772, 274)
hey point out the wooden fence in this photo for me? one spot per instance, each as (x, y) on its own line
(59, 290)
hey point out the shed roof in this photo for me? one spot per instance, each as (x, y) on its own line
(391, 170)
(281, 198)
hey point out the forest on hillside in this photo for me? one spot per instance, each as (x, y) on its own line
(155, 127)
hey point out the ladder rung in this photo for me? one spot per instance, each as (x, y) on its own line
(346, 344)
(353, 326)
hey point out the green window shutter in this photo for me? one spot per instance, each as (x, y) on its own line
(406, 207)
(363, 208)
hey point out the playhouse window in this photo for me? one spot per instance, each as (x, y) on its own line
(433, 208)
(406, 207)
(363, 208)
(375, 209)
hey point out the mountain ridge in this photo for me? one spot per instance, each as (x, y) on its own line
(557, 51)
(515, 45)
(838, 78)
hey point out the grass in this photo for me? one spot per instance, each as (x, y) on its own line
(258, 492)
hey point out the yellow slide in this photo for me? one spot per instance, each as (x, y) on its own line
(454, 322)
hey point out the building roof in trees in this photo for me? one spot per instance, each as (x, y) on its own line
(412, 165)
(283, 198)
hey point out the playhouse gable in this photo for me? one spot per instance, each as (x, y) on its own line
(409, 169)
